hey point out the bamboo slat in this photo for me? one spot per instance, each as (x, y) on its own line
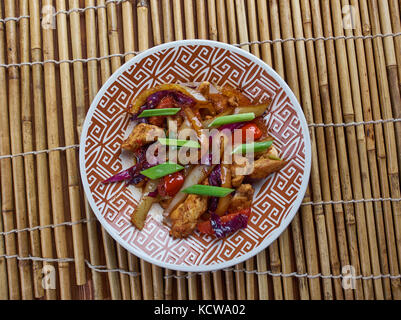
(395, 95)
(389, 130)
(380, 151)
(275, 262)
(391, 65)
(53, 141)
(370, 147)
(284, 239)
(27, 133)
(69, 133)
(114, 43)
(3, 267)
(14, 109)
(7, 201)
(178, 24)
(337, 80)
(129, 46)
(356, 139)
(306, 100)
(42, 165)
(108, 243)
(92, 71)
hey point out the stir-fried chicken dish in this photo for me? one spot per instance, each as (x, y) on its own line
(179, 132)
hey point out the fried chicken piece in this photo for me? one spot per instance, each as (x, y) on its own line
(219, 101)
(267, 164)
(186, 216)
(236, 97)
(204, 89)
(242, 198)
(228, 98)
(142, 134)
(240, 168)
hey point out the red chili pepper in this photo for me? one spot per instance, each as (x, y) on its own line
(254, 129)
(171, 184)
(166, 102)
(206, 227)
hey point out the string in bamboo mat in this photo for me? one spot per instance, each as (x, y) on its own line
(345, 242)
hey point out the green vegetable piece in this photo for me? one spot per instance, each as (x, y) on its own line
(180, 143)
(272, 157)
(162, 170)
(253, 147)
(235, 118)
(208, 190)
(159, 112)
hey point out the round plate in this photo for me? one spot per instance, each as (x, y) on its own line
(276, 199)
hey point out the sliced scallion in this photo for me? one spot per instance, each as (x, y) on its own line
(180, 143)
(159, 112)
(208, 190)
(253, 147)
(234, 118)
(273, 157)
(162, 170)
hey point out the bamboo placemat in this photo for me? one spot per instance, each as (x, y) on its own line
(342, 59)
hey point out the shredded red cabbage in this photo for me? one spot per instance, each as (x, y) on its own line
(212, 204)
(154, 100)
(123, 176)
(215, 176)
(221, 230)
(183, 99)
(132, 175)
(137, 179)
(214, 180)
(232, 126)
(153, 194)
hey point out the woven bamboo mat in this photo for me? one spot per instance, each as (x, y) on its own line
(342, 59)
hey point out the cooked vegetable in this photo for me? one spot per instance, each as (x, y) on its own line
(219, 121)
(233, 126)
(207, 122)
(207, 106)
(221, 230)
(215, 176)
(132, 174)
(166, 102)
(162, 170)
(206, 226)
(253, 129)
(171, 184)
(273, 157)
(195, 122)
(253, 147)
(197, 175)
(180, 143)
(159, 112)
(224, 202)
(208, 190)
(138, 218)
(122, 176)
(153, 96)
(213, 202)
(214, 180)
(258, 110)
